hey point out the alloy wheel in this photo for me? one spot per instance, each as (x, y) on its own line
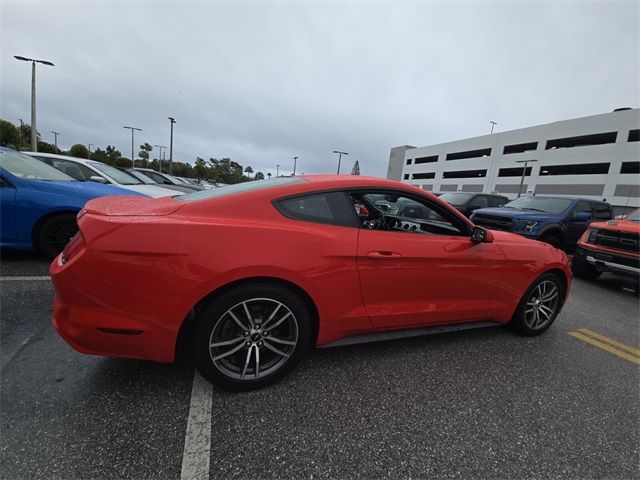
(253, 339)
(542, 305)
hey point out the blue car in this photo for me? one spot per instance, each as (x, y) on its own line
(39, 204)
(558, 221)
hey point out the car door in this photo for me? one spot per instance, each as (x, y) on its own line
(7, 210)
(577, 226)
(423, 270)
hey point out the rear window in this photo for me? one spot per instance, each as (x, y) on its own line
(238, 188)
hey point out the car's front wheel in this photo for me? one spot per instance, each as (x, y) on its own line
(251, 336)
(539, 305)
(55, 233)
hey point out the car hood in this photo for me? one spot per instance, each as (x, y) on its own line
(515, 213)
(618, 226)
(81, 189)
(152, 190)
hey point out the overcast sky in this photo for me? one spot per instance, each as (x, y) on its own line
(261, 82)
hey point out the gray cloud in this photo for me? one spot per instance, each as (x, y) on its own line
(261, 82)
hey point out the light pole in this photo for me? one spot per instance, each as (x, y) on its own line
(34, 138)
(339, 158)
(133, 129)
(89, 148)
(160, 156)
(172, 121)
(524, 171)
(55, 138)
(295, 161)
(493, 124)
(277, 171)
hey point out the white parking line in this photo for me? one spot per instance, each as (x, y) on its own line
(42, 278)
(197, 441)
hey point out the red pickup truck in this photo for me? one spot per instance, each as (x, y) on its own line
(612, 246)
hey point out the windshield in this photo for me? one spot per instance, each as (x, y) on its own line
(116, 175)
(24, 166)
(540, 204)
(142, 177)
(455, 198)
(157, 177)
(238, 188)
(634, 216)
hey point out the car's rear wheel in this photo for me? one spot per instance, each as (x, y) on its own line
(55, 232)
(539, 306)
(584, 270)
(251, 336)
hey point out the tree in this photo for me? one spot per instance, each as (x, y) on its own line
(259, 176)
(145, 149)
(248, 170)
(45, 147)
(113, 155)
(9, 135)
(226, 170)
(122, 162)
(269, 175)
(79, 151)
(200, 169)
(356, 168)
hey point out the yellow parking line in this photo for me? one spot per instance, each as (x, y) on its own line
(610, 341)
(605, 346)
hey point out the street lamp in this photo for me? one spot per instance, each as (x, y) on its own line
(55, 138)
(339, 158)
(277, 171)
(89, 148)
(34, 140)
(493, 124)
(160, 156)
(133, 129)
(524, 171)
(172, 121)
(295, 160)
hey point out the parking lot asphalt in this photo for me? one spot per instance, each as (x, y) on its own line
(481, 403)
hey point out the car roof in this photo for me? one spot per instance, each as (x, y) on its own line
(61, 157)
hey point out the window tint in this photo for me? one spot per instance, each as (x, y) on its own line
(601, 211)
(582, 207)
(329, 207)
(396, 212)
(123, 178)
(497, 201)
(76, 170)
(479, 201)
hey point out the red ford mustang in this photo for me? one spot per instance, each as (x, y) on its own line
(251, 275)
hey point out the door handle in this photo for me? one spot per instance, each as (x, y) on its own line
(383, 255)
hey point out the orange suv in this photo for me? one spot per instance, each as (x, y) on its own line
(612, 246)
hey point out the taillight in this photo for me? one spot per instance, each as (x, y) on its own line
(73, 246)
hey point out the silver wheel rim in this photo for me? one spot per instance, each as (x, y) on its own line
(253, 339)
(542, 305)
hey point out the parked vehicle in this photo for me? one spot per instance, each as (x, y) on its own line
(612, 246)
(166, 179)
(466, 203)
(249, 276)
(39, 203)
(93, 171)
(149, 181)
(558, 221)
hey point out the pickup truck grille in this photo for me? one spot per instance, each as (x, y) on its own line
(626, 241)
(493, 222)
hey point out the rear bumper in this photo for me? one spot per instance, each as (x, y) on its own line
(626, 265)
(97, 318)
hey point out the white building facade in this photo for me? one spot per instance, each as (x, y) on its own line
(596, 157)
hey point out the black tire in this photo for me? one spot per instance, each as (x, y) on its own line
(552, 239)
(54, 233)
(524, 320)
(254, 347)
(584, 270)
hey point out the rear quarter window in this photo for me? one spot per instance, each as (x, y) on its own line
(331, 208)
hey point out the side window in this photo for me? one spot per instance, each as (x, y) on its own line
(582, 207)
(395, 211)
(479, 201)
(75, 170)
(601, 211)
(497, 201)
(331, 207)
(5, 184)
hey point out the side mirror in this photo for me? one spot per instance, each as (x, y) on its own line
(97, 179)
(582, 217)
(481, 235)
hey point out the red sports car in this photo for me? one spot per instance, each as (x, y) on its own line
(251, 275)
